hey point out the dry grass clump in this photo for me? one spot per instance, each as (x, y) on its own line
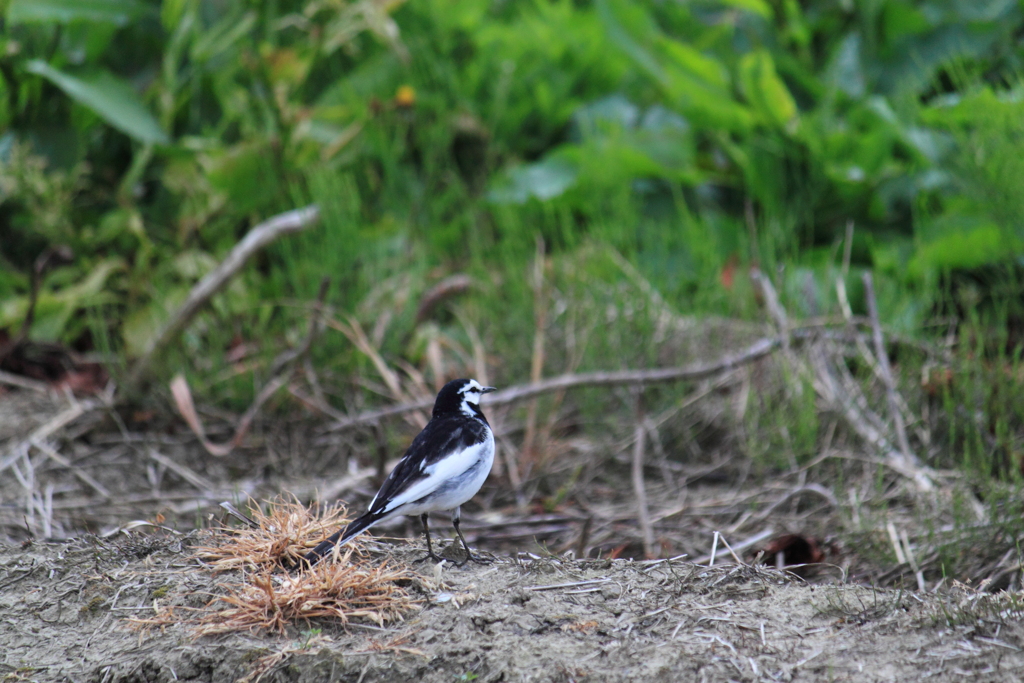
(281, 536)
(966, 604)
(262, 596)
(342, 590)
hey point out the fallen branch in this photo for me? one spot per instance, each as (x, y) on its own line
(695, 371)
(257, 238)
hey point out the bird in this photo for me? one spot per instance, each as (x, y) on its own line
(444, 467)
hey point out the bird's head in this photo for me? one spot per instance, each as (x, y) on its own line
(460, 395)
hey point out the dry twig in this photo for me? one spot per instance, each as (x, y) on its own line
(62, 419)
(186, 407)
(848, 395)
(77, 471)
(281, 371)
(530, 447)
(639, 490)
(775, 309)
(452, 285)
(182, 471)
(883, 364)
(355, 333)
(850, 401)
(23, 382)
(742, 545)
(257, 238)
(695, 371)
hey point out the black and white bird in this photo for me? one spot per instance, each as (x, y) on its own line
(444, 467)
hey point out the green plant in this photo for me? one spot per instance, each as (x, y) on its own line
(169, 125)
(308, 635)
(655, 151)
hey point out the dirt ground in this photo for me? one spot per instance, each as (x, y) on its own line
(70, 602)
(65, 611)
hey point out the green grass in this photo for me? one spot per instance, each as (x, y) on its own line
(567, 125)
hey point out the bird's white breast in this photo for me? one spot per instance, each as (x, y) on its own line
(450, 482)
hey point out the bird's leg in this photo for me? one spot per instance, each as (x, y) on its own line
(469, 556)
(426, 532)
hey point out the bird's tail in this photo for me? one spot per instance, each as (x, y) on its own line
(343, 536)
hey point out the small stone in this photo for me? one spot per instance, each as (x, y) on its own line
(611, 591)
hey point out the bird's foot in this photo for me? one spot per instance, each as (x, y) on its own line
(470, 557)
(429, 556)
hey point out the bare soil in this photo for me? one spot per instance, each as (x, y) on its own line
(71, 468)
(65, 611)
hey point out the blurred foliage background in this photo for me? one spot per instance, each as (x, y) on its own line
(555, 148)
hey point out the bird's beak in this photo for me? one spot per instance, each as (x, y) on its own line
(487, 390)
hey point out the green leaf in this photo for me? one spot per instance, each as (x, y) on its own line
(696, 84)
(612, 112)
(699, 87)
(758, 7)
(543, 180)
(111, 98)
(631, 28)
(141, 326)
(55, 309)
(968, 242)
(245, 172)
(222, 36)
(845, 71)
(912, 63)
(706, 70)
(193, 264)
(765, 90)
(117, 12)
(172, 13)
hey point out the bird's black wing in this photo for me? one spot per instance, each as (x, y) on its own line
(440, 438)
